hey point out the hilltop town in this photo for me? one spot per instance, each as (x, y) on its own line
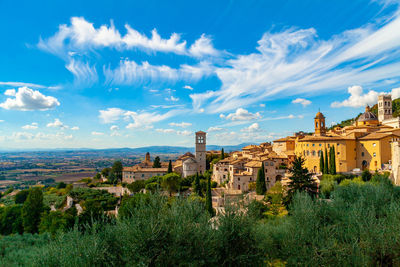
(259, 196)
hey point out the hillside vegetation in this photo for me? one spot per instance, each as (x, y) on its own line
(357, 226)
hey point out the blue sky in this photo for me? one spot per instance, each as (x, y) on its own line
(134, 73)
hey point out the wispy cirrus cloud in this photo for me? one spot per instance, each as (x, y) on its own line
(295, 61)
(82, 34)
(136, 119)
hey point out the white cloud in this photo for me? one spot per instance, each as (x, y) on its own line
(111, 115)
(22, 84)
(75, 128)
(57, 124)
(188, 87)
(262, 105)
(81, 35)
(304, 102)
(1, 121)
(114, 128)
(165, 130)
(203, 47)
(140, 119)
(172, 131)
(181, 124)
(252, 128)
(184, 133)
(241, 114)
(97, 133)
(28, 99)
(295, 61)
(31, 126)
(357, 98)
(25, 136)
(146, 119)
(84, 74)
(129, 72)
(214, 129)
(10, 92)
(172, 98)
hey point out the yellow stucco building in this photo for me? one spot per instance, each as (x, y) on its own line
(364, 145)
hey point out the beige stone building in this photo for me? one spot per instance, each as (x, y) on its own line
(240, 169)
(364, 145)
(143, 170)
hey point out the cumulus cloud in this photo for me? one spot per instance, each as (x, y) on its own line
(27, 99)
(304, 102)
(188, 87)
(10, 92)
(57, 124)
(181, 124)
(241, 114)
(357, 98)
(75, 128)
(31, 126)
(114, 128)
(97, 133)
(252, 128)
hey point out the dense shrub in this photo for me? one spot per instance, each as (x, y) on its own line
(359, 227)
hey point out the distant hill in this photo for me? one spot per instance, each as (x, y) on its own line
(374, 109)
(138, 150)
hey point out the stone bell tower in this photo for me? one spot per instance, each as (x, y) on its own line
(384, 107)
(201, 151)
(319, 122)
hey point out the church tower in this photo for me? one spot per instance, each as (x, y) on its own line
(201, 151)
(384, 107)
(319, 122)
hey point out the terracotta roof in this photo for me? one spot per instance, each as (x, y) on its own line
(152, 170)
(249, 147)
(322, 138)
(373, 136)
(283, 139)
(254, 164)
(201, 132)
(319, 115)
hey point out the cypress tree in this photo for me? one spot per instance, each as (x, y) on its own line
(169, 167)
(222, 153)
(332, 161)
(261, 188)
(326, 164)
(209, 207)
(321, 162)
(196, 185)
